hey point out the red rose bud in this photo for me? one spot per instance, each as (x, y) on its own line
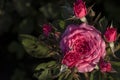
(105, 66)
(80, 9)
(110, 34)
(46, 29)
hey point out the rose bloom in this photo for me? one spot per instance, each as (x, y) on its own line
(46, 29)
(110, 34)
(105, 66)
(79, 9)
(82, 46)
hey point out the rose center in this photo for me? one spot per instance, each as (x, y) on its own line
(81, 46)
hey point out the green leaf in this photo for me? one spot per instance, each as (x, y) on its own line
(92, 75)
(70, 77)
(103, 22)
(44, 75)
(67, 10)
(62, 24)
(45, 65)
(67, 75)
(43, 70)
(96, 75)
(51, 63)
(61, 77)
(41, 66)
(48, 10)
(34, 47)
(116, 66)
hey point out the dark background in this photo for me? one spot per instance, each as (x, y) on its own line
(26, 17)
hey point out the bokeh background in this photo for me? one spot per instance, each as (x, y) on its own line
(26, 17)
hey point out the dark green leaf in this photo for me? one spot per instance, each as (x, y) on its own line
(92, 75)
(17, 49)
(103, 22)
(67, 11)
(33, 46)
(116, 66)
(44, 75)
(43, 70)
(62, 24)
(67, 75)
(26, 26)
(45, 65)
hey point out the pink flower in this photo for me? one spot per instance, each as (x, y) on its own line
(110, 34)
(46, 29)
(105, 66)
(80, 9)
(70, 60)
(82, 46)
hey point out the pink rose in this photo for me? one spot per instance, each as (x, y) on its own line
(110, 34)
(80, 9)
(105, 66)
(46, 29)
(82, 46)
(71, 60)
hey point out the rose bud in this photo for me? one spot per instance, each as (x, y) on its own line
(105, 66)
(110, 34)
(80, 9)
(57, 35)
(46, 29)
(82, 47)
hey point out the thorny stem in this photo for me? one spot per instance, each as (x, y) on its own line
(96, 19)
(90, 7)
(76, 76)
(86, 76)
(118, 36)
(112, 49)
(115, 56)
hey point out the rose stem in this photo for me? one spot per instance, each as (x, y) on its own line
(86, 76)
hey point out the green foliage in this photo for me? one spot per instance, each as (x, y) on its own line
(96, 75)
(116, 67)
(26, 26)
(24, 8)
(17, 49)
(19, 75)
(34, 47)
(103, 22)
(45, 65)
(45, 75)
(61, 24)
(43, 70)
(67, 75)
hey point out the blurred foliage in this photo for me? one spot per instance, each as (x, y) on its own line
(23, 46)
(19, 75)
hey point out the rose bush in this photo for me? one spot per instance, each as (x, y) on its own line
(80, 9)
(82, 46)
